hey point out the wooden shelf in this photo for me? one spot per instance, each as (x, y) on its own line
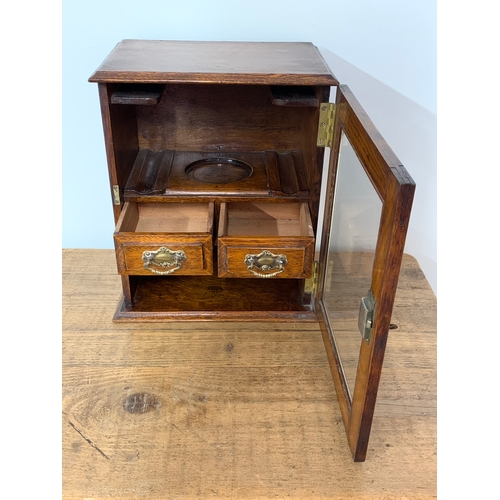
(163, 173)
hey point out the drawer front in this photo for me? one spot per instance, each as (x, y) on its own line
(269, 259)
(188, 255)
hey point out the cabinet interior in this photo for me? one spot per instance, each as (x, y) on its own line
(154, 143)
(222, 159)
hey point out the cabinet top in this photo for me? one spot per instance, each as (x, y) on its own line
(162, 61)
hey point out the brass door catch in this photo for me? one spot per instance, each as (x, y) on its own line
(365, 317)
(116, 195)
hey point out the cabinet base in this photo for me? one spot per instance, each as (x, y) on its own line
(211, 298)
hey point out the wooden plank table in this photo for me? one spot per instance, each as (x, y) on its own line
(234, 410)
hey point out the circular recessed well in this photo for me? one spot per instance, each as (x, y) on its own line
(218, 170)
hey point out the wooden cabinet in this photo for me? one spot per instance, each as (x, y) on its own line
(215, 155)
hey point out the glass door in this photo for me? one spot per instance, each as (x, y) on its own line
(367, 211)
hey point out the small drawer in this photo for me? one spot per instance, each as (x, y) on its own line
(265, 240)
(165, 238)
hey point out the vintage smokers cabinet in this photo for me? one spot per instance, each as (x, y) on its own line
(215, 154)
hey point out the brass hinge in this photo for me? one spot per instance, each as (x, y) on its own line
(325, 126)
(116, 195)
(311, 284)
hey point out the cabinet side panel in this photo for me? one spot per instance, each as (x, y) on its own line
(108, 142)
(125, 143)
(120, 136)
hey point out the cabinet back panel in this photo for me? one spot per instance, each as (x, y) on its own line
(236, 227)
(221, 118)
(178, 225)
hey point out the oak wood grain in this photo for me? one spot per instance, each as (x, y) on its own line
(234, 410)
(161, 61)
(218, 118)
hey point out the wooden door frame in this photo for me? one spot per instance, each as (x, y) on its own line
(395, 188)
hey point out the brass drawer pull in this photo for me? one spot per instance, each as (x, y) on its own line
(164, 258)
(265, 261)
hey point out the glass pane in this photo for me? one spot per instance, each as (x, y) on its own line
(353, 237)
